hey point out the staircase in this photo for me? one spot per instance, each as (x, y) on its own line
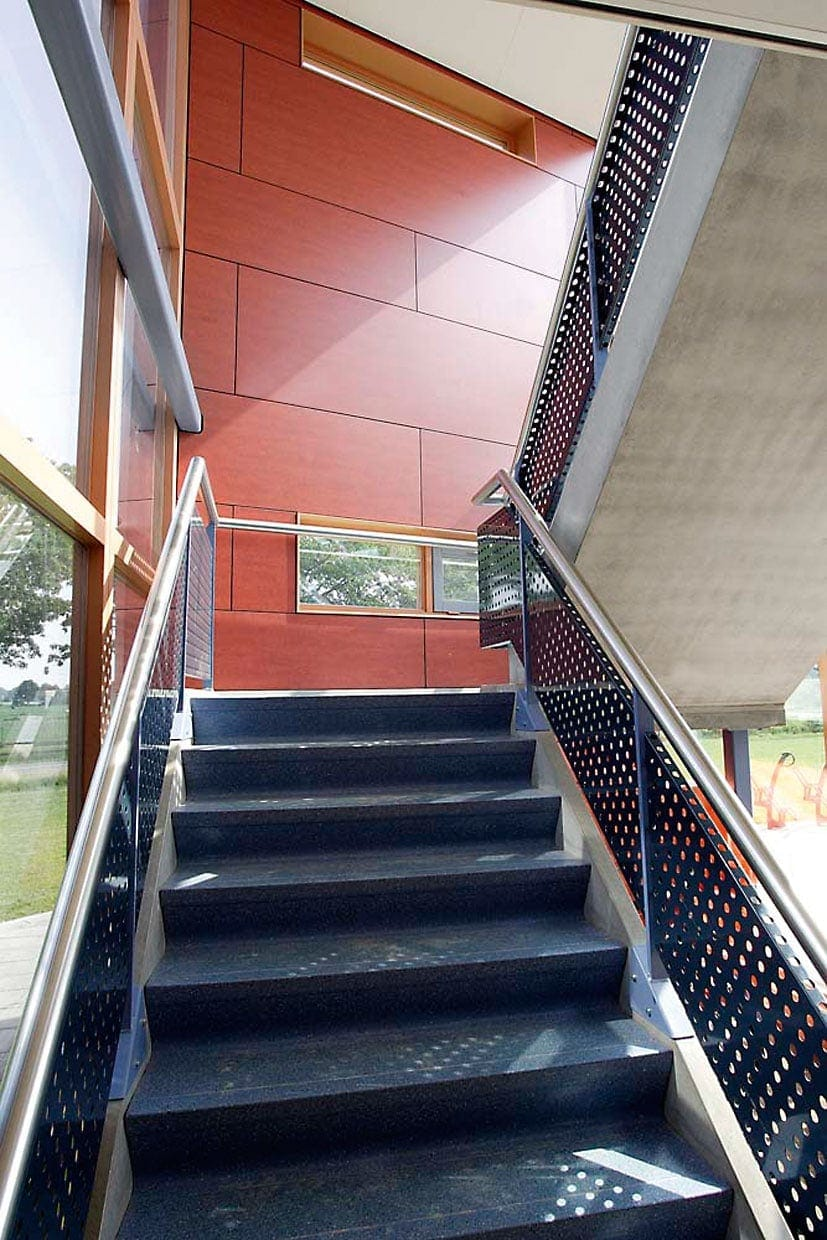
(381, 1011)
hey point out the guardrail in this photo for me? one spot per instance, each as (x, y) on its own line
(653, 87)
(82, 1025)
(745, 957)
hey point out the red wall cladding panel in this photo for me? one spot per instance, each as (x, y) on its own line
(272, 25)
(224, 563)
(306, 460)
(453, 657)
(365, 296)
(482, 292)
(331, 142)
(453, 470)
(264, 565)
(266, 650)
(246, 221)
(563, 153)
(210, 321)
(215, 99)
(306, 345)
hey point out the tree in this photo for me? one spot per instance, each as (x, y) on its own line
(25, 694)
(349, 572)
(35, 572)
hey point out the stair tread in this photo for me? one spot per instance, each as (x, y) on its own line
(312, 744)
(351, 867)
(189, 1074)
(372, 804)
(449, 1188)
(200, 958)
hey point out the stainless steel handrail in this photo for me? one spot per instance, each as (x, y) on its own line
(729, 809)
(336, 531)
(618, 82)
(26, 1080)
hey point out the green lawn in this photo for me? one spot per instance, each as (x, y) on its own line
(766, 747)
(32, 846)
(50, 745)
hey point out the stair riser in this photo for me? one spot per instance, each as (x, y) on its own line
(704, 1218)
(242, 772)
(223, 721)
(372, 903)
(302, 1002)
(214, 833)
(173, 1140)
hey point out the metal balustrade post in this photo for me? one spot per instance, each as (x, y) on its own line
(599, 350)
(182, 679)
(133, 1045)
(211, 535)
(529, 715)
(644, 725)
(651, 994)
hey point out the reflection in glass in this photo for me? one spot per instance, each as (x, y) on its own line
(351, 572)
(44, 234)
(455, 579)
(128, 607)
(138, 435)
(35, 626)
(158, 21)
(153, 201)
(789, 775)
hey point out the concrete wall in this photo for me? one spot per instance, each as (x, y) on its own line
(365, 297)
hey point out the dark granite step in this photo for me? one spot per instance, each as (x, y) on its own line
(363, 889)
(285, 768)
(592, 1181)
(226, 826)
(232, 981)
(212, 1099)
(239, 718)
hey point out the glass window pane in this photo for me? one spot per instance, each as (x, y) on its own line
(36, 572)
(158, 19)
(153, 201)
(350, 572)
(138, 435)
(787, 763)
(456, 586)
(44, 241)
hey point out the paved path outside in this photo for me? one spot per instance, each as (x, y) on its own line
(20, 942)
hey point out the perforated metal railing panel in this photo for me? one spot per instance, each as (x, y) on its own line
(564, 395)
(589, 707)
(758, 1009)
(54, 1199)
(199, 603)
(62, 1161)
(500, 593)
(657, 89)
(761, 1016)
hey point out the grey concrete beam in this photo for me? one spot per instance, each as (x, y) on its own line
(794, 25)
(717, 103)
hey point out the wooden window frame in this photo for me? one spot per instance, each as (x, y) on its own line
(368, 63)
(426, 584)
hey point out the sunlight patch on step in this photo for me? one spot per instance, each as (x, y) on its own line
(649, 1173)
